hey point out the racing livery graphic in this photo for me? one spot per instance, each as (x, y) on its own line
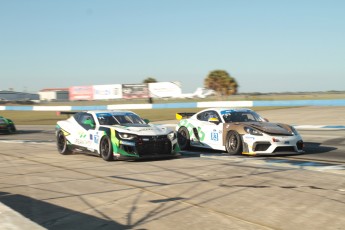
(114, 135)
(236, 131)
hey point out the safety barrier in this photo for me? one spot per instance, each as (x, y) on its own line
(226, 104)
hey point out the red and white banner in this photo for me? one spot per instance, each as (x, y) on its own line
(80, 93)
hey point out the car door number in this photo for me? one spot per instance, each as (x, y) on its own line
(214, 136)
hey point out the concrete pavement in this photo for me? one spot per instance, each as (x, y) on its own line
(313, 196)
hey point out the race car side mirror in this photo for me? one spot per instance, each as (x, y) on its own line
(147, 121)
(266, 119)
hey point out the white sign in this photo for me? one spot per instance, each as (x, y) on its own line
(105, 92)
(164, 89)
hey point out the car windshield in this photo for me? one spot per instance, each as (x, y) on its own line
(2, 121)
(241, 116)
(119, 119)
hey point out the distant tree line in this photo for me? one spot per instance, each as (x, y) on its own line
(218, 80)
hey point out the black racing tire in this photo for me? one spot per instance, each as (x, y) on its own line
(11, 129)
(233, 143)
(183, 138)
(106, 149)
(61, 143)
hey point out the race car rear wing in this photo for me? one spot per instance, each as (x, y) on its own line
(69, 113)
(179, 116)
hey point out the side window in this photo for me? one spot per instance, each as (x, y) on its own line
(250, 117)
(213, 114)
(207, 115)
(86, 121)
(203, 116)
(77, 116)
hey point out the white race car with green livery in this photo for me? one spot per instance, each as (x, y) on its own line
(236, 131)
(114, 135)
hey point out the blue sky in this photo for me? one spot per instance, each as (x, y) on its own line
(266, 45)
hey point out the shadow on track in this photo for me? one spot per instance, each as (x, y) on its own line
(51, 216)
(317, 148)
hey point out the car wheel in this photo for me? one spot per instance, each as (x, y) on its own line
(183, 138)
(233, 144)
(61, 142)
(106, 149)
(11, 129)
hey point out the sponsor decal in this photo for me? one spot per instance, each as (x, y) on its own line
(249, 138)
(82, 135)
(142, 130)
(214, 136)
(226, 111)
(127, 143)
(280, 140)
(83, 142)
(95, 138)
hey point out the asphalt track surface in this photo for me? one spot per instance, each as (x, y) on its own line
(199, 190)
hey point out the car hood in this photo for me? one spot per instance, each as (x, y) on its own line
(145, 130)
(272, 128)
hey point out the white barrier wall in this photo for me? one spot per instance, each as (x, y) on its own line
(201, 105)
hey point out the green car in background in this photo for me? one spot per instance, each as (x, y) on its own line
(7, 125)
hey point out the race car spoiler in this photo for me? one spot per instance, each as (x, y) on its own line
(179, 116)
(69, 113)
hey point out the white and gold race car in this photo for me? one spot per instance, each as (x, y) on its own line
(114, 135)
(236, 131)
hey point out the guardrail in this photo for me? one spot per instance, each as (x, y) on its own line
(339, 102)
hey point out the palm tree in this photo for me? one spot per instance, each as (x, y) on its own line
(221, 82)
(150, 80)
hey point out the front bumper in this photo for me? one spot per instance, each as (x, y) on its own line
(272, 145)
(4, 128)
(147, 147)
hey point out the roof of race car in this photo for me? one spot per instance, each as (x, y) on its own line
(112, 112)
(227, 110)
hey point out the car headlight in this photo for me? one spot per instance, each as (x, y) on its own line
(171, 136)
(127, 136)
(252, 131)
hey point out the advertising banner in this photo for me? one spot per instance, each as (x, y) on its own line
(81, 93)
(130, 91)
(164, 89)
(106, 92)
